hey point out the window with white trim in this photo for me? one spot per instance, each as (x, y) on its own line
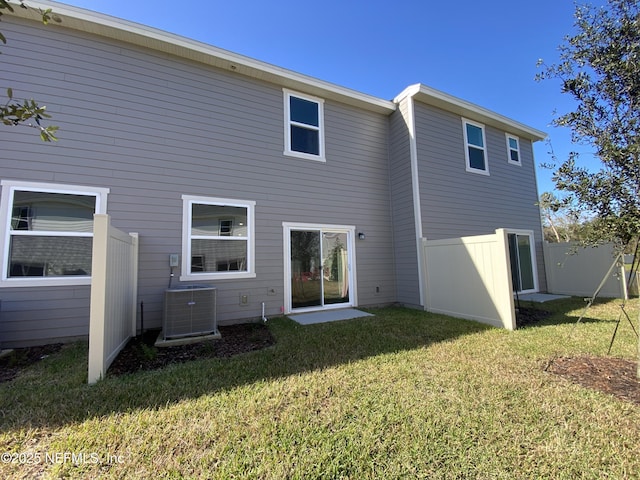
(303, 126)
(513, 149)
(48, 232)
(218, 238)
(475, 147)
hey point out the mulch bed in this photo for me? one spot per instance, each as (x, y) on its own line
(529, 316)
(140, 354)
(615, 376)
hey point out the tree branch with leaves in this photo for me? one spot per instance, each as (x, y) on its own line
(26, 113)
(599, 68)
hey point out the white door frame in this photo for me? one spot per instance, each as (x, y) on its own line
(287, 227)
(534, 262)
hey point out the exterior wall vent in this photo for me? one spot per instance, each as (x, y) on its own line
(189, 310)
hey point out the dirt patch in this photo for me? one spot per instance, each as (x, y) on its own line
(614, 376)
(140, 354)
(529, 316)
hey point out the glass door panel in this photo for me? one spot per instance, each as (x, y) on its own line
(522, 271)
(335, 268)
(525, 262)
(306, 275)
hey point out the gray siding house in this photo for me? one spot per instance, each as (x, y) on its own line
(280, 189)
(458, 170)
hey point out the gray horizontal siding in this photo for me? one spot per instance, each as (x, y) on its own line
(152, 127)
(32, 316)
(404, 232)
(458, 203)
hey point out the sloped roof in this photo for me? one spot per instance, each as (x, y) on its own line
(88, 21)
(137, 34)
(469, 110)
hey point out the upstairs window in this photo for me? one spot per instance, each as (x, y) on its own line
(48, 233)
(513, 149)
(475, 147)
(217, 238)
(304, 126)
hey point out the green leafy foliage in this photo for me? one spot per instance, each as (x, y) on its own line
(26, 112)
(4, 5)
(599, 68)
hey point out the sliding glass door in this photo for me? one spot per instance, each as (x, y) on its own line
(319, 267)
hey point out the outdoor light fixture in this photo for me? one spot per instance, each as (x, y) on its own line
(361, 235)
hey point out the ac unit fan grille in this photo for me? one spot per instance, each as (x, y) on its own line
(189, 312)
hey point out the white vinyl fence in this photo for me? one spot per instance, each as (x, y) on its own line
(579, 271)
(114, 285)
(470, 277)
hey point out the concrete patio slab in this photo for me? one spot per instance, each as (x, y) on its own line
(328, 316)
(540, 297)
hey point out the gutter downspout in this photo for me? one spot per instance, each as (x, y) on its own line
(409, 94)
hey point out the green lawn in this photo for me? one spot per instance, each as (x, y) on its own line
(404, 394)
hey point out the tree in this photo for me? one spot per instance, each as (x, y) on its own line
(600, 68)
(557, 222)
(28, 112)
(563, 221)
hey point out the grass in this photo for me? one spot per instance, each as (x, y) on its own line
(404, 394)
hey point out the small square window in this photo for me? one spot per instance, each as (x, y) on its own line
(197, 263)
(22, 217)
(226, 228)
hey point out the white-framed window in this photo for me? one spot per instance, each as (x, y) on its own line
(475, 149)
(303, 126)
(217, 238)
(48, 232)
(513, 149)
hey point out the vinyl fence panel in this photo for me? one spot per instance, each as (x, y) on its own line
(113, 294)
(579, 271)
(470, 277)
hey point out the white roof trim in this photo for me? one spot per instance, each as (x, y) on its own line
(137, 34)
(149, 37)
(461, 107)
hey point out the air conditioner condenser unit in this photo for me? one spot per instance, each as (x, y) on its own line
(189, 310)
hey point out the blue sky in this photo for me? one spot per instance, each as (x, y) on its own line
(483, 52)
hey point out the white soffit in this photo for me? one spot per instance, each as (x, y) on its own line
(439, 99)
(96, 23)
